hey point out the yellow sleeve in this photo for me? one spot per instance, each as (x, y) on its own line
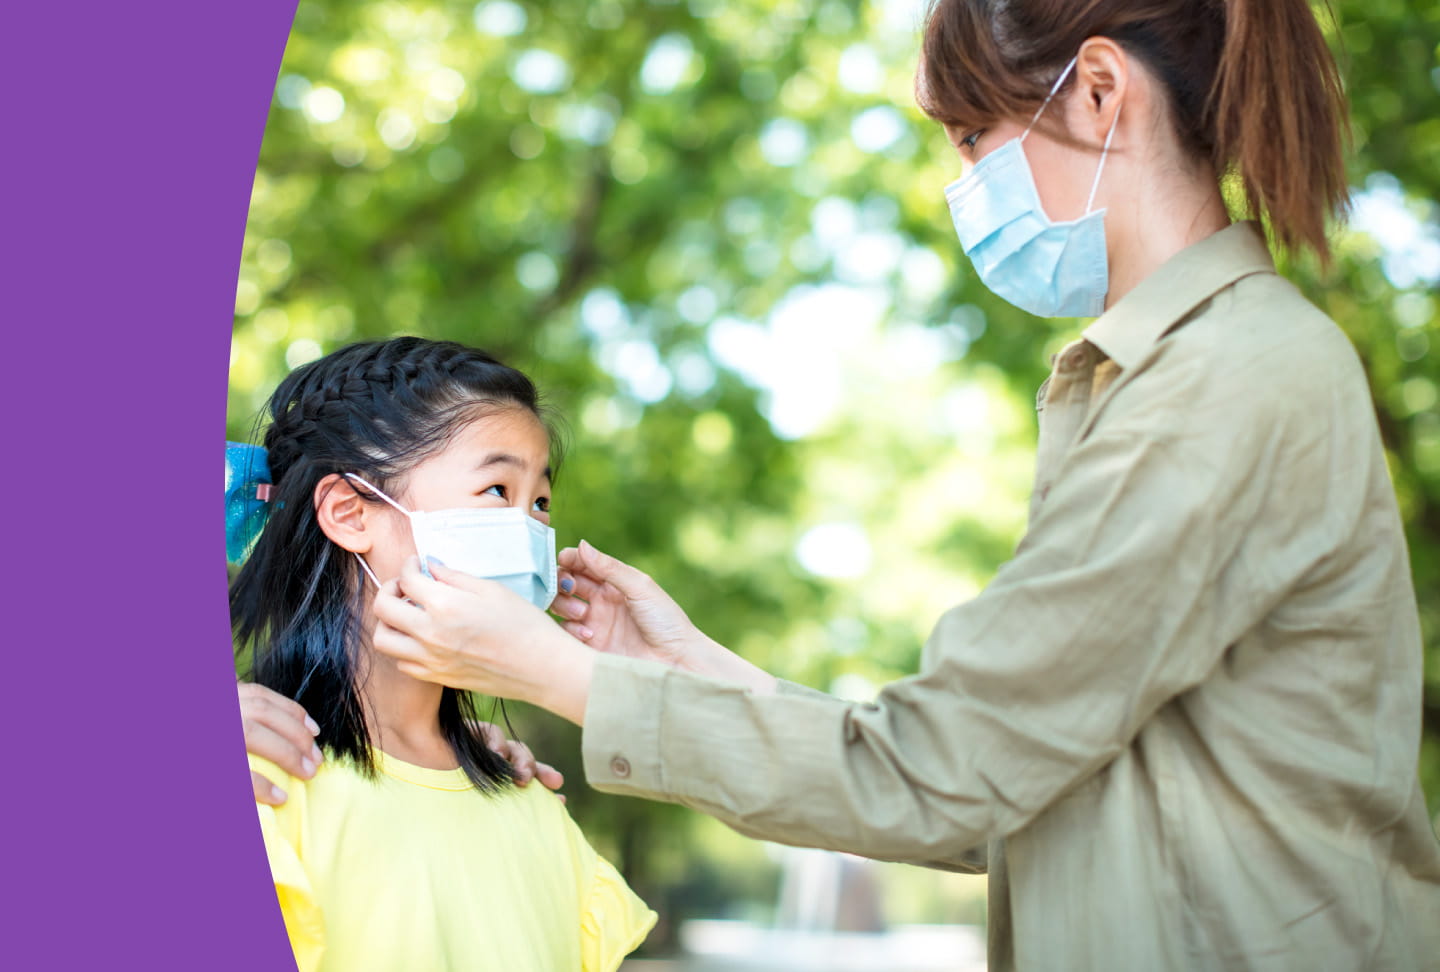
(614, 921)
(281, 830)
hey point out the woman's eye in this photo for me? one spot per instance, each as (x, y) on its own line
(542, 505)
(969, 140)
(496, 490)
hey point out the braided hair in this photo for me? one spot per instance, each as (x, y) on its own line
(376, 409)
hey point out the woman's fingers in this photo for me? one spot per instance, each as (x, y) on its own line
(578, 585)
(413, 585)
(516, 753)
(491, 735)
(572, 564)
(521, 760)
(252, 694)
(399, 646)
(577, 630)
(446, 592)
(549, 776)
(279, 730)
(267, 792)
(445, 577)
(298, 759)
(582, 581)
(570, 608)
(395, 612)
(569, 559)
(519, 755)
(415, 670)
(607, 569)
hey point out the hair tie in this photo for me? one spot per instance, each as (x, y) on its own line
(248, 491)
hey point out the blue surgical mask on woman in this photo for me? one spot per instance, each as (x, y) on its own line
(1049, 268)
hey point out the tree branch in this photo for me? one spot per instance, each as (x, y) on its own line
(581, 255)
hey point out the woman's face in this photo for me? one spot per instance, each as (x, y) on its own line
(1063, 173)
(500, 460)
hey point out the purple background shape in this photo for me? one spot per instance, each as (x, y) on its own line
(131, 132)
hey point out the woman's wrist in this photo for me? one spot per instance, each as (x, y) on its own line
(562, 686)
(713, 660)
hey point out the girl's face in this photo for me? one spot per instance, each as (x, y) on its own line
(500, 460)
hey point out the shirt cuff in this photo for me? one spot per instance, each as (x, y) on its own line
(621, 739)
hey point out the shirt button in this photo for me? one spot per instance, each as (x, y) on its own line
(620, 766)
(1074, 359)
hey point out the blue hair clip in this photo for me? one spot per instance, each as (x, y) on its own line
(247, 498)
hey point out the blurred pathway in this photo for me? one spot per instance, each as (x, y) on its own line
(724, 946)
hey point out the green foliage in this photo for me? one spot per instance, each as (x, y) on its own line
(715, 233)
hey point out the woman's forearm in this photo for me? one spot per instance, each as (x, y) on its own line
(562, 682)
(564, 688)
(714, 660)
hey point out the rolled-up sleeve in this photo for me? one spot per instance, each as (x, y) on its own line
(1122, 596)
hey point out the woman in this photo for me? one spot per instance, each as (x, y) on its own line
(1184, 719)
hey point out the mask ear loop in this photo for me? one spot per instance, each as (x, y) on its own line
(1114, 123)
(1053, 88)
(377, 492)
(370, 573)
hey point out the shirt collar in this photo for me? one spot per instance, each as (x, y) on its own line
(1128, 330)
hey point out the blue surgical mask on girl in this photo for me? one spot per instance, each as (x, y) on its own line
(500, 544)
(1049, 268)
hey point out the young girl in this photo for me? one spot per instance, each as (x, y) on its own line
(411, 847)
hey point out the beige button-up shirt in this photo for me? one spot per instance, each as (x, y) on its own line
(1185, 718)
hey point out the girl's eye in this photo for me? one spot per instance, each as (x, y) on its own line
(969, 140)
(542, 505)
(497, 490)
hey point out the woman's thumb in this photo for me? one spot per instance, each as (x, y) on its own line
(603, 567)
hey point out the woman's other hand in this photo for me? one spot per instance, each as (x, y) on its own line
(277, 729)
(618, 609)
(614, 608)
(520, 758)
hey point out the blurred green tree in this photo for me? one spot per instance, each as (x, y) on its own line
(715, 233)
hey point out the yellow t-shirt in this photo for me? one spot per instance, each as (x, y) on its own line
(417, 870)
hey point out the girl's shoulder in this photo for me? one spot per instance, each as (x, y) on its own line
(613, 919)
(273, 773)
(538, 821)
(536, 810)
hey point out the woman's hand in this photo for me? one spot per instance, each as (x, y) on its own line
(278, 729)
(521, 760)
(477, 635)
(617, 609)
(614, 608)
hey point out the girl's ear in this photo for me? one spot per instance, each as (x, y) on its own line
(1102, 74)
(343, 514)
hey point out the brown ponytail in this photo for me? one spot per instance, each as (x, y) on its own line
(1279, 110)
(1253, 87)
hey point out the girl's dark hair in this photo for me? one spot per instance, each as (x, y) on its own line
(375, 409)
(1253, 88)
